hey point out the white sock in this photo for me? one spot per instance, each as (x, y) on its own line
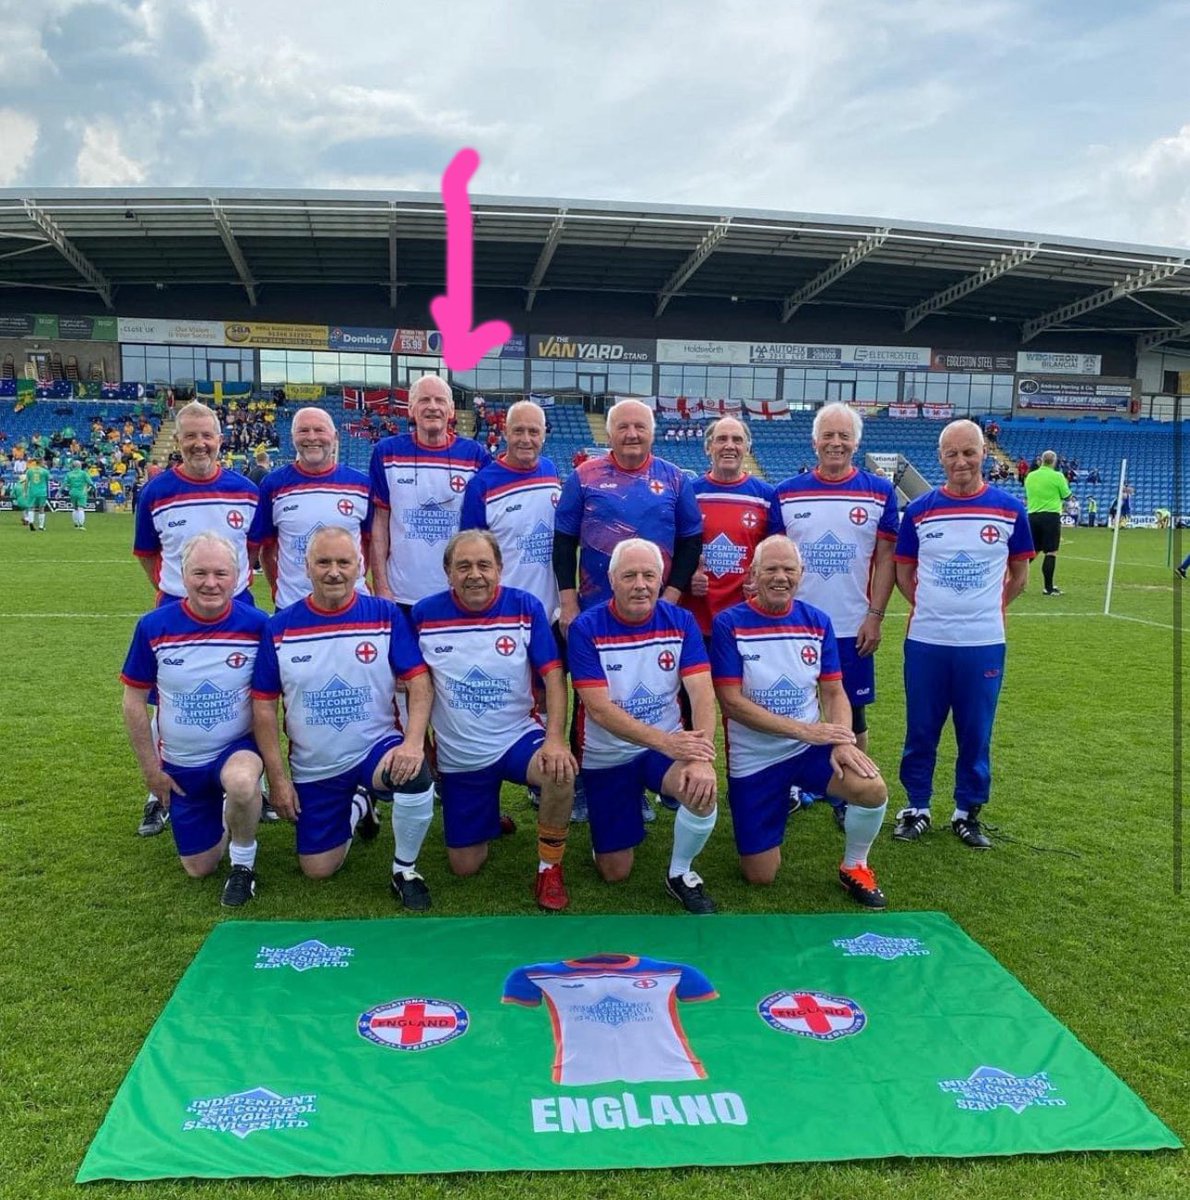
(960, 814)
(41, 520)
(242, 856)
(411, 820)
(690, 835)
(860, 827)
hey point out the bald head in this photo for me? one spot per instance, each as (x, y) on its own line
(315, 441)
(630, 431)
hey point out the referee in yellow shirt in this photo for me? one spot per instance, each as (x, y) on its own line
(1045, 490)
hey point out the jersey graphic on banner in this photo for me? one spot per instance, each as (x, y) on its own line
(814, 1015)
(414, 1023)
(614, 1016)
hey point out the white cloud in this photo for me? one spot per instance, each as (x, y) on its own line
(102, 161)
(18, 138)
(1158, 177)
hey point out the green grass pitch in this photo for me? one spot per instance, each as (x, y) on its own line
(99, 925)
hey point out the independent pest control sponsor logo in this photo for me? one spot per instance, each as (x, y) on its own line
(989, 1088)
(413, 1023)
(875, 945)
(310, 955)
(253, 1111)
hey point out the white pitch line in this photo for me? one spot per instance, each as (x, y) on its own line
(74, 616)
(1140, 621)
(1104, 561)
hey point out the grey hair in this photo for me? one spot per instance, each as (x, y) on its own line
(324, 532)
(647, 409)
(709, 436)
(416, 389)
(964, 424)
(485, 535)
(208, 537)
(634, 544)
(309, 409)
(834, 408)
(1049, 457)
(524, 406)
(196, 408)
(771, 541)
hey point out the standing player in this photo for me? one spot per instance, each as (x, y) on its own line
(515, 497)
(196, 495)
(333, 659)
(37, 491)
(773, 658)
(418, 480)
(624, 494)
(300, 498)
(484, 643)
(78, 485)
(629, 656)
(962, 557)
(198, 656)
(20, 500)
(735, 508)
(1045, 490)
(844, 522)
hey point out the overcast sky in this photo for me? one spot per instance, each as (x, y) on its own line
(1062, 117)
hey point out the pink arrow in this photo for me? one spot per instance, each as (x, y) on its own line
(462, 346)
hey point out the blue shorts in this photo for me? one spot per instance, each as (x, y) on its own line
(471, 799)
(859, 674)
(614, 796)
(325, 820)
(760, 803)
(197, 817)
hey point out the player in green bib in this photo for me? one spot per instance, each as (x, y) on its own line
(37, 485)
(78, 483)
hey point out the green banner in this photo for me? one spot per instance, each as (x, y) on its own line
(409, 1046)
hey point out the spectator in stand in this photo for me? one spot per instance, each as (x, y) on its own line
(579, 457)
(1022, 470)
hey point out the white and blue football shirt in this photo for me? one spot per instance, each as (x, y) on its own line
(776, 660)
(202, 670)
(175, 506)
(336, 672)
(294, 505)
(517, 506)
(641, 665)
(836, 524)
(482, 665)
(419, 490)
(961, 546)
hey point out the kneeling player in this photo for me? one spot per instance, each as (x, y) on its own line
(483, 645)
(629, 657)
(773, 657)
(199, 656)
(332, 658)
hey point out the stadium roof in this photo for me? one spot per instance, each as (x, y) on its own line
(95, 241)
